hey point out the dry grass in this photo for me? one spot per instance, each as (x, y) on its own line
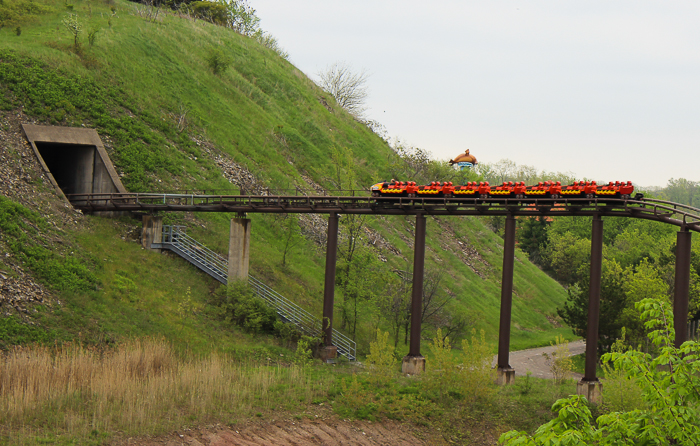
(140, 387)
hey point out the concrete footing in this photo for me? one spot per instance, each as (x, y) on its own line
(239, 249)
(592, 390)
(413, 365)
(152, 231)
(328, 353)
(505, 376)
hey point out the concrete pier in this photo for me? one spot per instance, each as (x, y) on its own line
(239, 249)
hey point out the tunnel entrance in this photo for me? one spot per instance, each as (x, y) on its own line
(74, 159)
(72, 166)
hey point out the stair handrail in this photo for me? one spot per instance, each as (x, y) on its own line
(176, 238)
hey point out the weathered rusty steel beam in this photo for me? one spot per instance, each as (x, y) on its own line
(329, 286)
(681, 288)
(506, 294)
(594, 300)
(417, 294)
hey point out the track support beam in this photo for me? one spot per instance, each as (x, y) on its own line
(590, 386)
(414, 362)
(681, 289)
(506, 374)
(329, 287)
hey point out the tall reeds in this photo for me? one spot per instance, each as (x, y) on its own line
(139, 387)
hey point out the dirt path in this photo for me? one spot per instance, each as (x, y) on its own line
(533, 361)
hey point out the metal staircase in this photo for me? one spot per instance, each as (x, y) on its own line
(175, 239)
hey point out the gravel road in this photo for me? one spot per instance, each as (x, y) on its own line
(533, 361)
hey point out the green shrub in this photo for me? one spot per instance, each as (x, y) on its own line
(469, 377)
(477, 375)
(14, 332)
(242, 307)
(560, 362)
(442, 372)
(621, 390)
(289, 333)
(381, 359)
(209, 11)
(92, 35)
(20, 11)
(217, 60)
(305, 350)
(19, 228)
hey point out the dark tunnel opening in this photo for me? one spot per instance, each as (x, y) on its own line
(77, 168)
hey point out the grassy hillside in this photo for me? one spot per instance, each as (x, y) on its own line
(170, 123)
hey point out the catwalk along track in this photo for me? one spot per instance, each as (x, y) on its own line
(680, 215)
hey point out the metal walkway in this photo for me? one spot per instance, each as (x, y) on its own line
(175, 239)
(686, 217)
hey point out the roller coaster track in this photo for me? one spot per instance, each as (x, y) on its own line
(676, 214)
(175, 239)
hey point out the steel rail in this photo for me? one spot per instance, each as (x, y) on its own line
(667, 212)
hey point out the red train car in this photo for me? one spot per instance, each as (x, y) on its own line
(509, 189)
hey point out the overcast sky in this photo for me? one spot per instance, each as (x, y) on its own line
(608, 90)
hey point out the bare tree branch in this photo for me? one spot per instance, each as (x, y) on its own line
(348, 88)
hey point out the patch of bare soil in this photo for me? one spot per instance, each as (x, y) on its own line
(325, 432)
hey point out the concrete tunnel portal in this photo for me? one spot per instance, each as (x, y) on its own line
(74, 159)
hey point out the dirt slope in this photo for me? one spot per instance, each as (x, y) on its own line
(298, 433)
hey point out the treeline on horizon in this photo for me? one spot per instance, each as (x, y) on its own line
(638, 256)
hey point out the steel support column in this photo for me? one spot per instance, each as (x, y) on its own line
(417, 294)
(506, 294)
(594, 299)
(329, 286)
(682, 286)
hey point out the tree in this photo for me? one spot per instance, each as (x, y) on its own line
(289, 232)
(395, 303)
(532, 237)
(669, 383)
(612, 303)
(434, 298)
(682, 191)
(347, 87)
(358, 280)
(567, 255)
(74, 27)
(641, 282)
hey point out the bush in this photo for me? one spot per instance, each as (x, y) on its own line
(20, 11)
(667, 381)
(268, 41)
(560, 362)
(218, 61)
(305, 350)
(621, 390)
(210, 11)
(92, 35)
(14, 332)
(477, 375)
(381, 359)
(242, 307)
(469, 377)
(19, 227)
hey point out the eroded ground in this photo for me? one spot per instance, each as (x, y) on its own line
(298, 433)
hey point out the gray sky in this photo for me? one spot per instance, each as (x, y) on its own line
(608, 90)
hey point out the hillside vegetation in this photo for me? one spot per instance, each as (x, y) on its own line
(170, 123)
(182, 104)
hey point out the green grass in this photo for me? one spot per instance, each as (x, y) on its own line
(134, 84)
